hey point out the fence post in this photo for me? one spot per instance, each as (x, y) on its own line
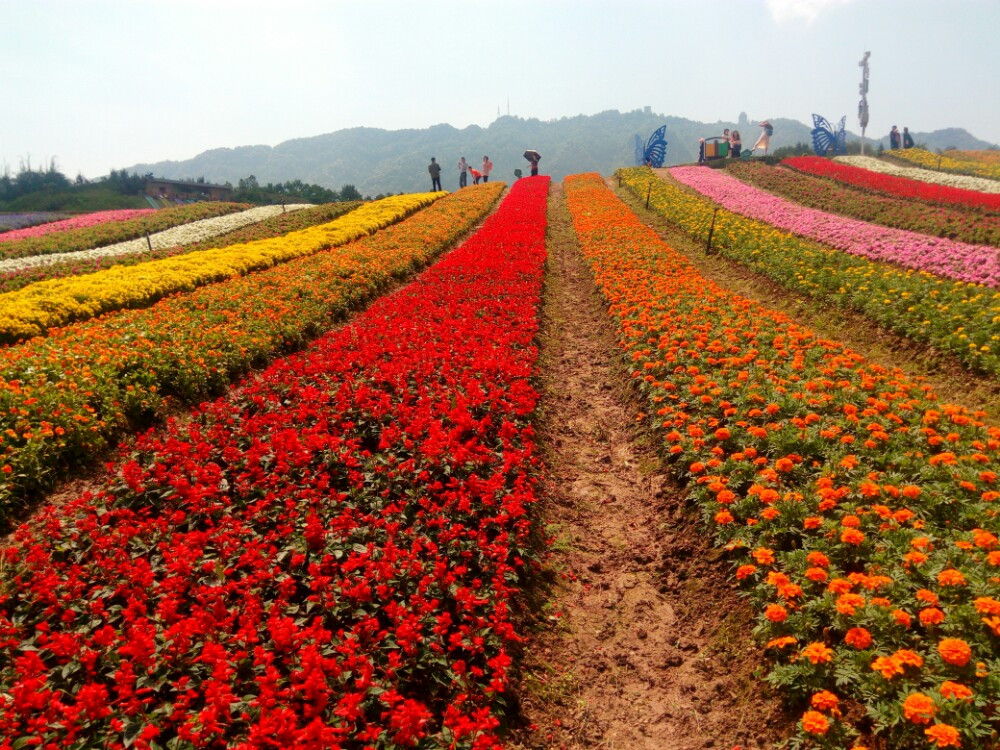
(711, 231)
(649, 189)
(149, 242)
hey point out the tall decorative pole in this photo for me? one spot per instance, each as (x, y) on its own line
(863, 104)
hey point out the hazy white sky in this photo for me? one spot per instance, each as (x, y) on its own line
(101, 84)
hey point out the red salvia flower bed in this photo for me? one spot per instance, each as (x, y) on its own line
(899, 186)
(325, 559)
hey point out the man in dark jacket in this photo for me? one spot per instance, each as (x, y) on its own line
(435, 169)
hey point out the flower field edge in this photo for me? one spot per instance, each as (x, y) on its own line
(66, 396)
(861, 513)
(323, 559)
(959, 319)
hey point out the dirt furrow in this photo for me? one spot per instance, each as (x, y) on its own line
(642, 642)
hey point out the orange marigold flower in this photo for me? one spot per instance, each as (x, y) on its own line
(993, 623)
(814, 722)
(931, 616)
(824, 700)
(817, 653)
(763, 556)
(858, 638)
(782, 642)
(944, 735)
(770, 514)
(812, 522)
(987, 605)
(955, 690)
(911, 491)
(902, 618)
(818, 559)
(919, 708)
(928, 596)
(909, 658)
(817, 574)
(955, 651)
(852, 536)
(776, 613)
(725, 497)
(847, 604)
(887, 666)
(745, 571)
(951, 577)
(723, 517)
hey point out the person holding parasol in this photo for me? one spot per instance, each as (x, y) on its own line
(533, 157)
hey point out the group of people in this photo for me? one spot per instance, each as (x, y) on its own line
(735, 142)
(464, 170)
(897, 139)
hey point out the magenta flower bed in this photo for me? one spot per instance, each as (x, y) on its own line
(77, 222)
(326, 559)
(937, 255)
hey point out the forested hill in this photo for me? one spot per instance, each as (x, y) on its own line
(389, 161)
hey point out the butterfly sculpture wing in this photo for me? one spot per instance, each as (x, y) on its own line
(823, 135)
(840, 137)
(656, 147)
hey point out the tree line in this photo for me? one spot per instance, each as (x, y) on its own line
(51, 181)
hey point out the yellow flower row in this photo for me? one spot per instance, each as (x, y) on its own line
(947, 164)
(34, 309)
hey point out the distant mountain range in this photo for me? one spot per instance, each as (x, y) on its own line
(390, 161)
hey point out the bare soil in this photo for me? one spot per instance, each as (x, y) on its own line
(642, 642)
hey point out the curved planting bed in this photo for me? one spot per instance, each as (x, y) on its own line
(978, 264)
(892, 184)
(963, 225)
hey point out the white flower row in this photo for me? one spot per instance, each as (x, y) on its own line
(962, 181)
(185, 234)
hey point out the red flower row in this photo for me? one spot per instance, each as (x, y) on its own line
(324, 559)
(898, 186)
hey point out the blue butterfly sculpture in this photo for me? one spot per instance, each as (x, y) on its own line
(825, 137)
(655, 150)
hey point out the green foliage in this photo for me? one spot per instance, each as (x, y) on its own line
(295, 191)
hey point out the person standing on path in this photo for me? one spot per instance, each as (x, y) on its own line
(435, 169)
(487, 168)
(463, 172)
(735, 144)
(907, 138)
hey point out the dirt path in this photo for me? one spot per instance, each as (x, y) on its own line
(643, 643)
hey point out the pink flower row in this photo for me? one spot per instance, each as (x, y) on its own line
(955, 260)
(77, 222)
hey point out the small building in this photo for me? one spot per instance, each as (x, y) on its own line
(186, 191)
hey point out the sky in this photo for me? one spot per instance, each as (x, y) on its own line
(102, 84)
